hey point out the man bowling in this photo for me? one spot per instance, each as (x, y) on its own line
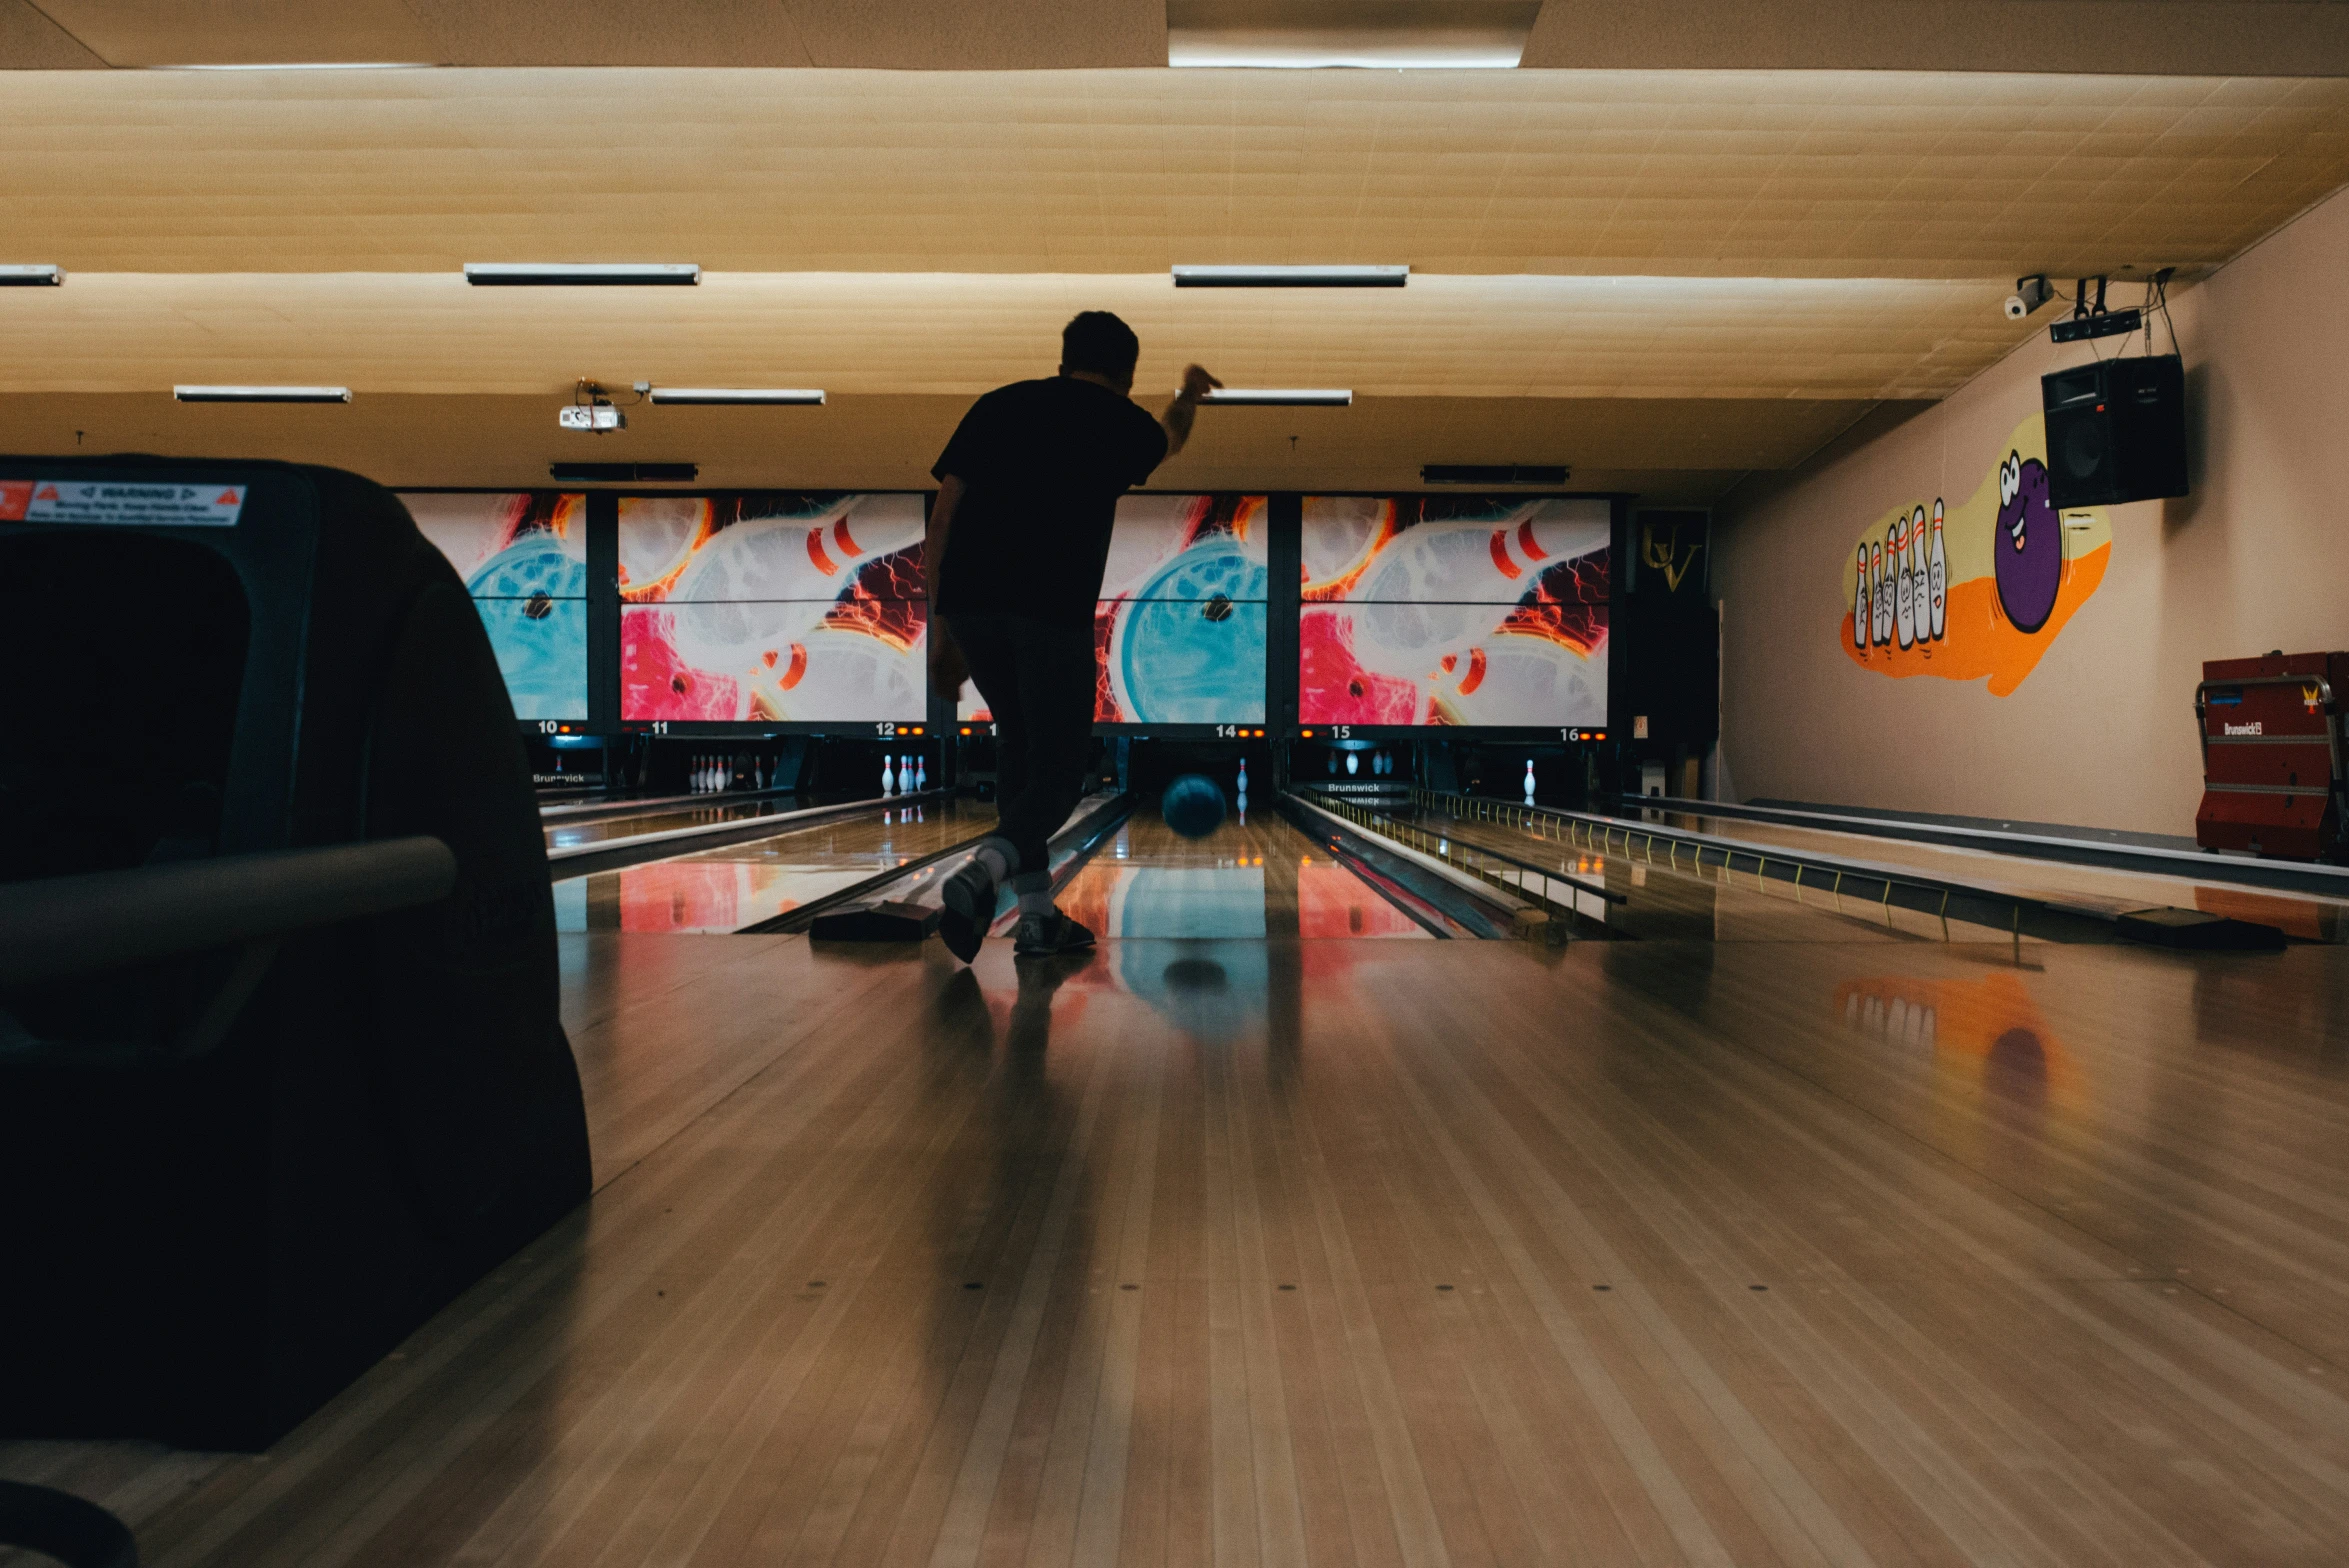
(1017, 541)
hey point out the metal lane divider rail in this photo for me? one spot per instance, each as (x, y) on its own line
(1882, 886)
(1559, 895)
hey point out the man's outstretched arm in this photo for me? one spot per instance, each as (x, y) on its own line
(946, 666)
(1185, 407)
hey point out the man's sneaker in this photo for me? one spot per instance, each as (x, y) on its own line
(1041, 935)
(969, 899)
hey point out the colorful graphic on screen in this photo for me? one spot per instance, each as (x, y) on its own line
(1180, 628)
(523, 556)
(767, 607)
(1466, 610)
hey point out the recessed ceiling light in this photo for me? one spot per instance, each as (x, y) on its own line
(793, 395)
(262, 394)
(523, 274)
(1281, 397)
(1249, 277)
(20, 276)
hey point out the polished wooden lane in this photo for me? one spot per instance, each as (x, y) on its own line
(1372, 1252)
(1254, 875)
(736, 885)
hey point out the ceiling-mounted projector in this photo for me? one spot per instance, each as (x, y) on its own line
(596, 418)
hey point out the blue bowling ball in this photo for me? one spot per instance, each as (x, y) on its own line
(1192, 806)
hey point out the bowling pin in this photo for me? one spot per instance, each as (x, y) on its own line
(888, 776)
(1882, 618)
(1243, 775)
(1937, 575)
(1353, 764)
(921, 772)
(905, 774)
(1332, 759)
(1906, 587)
(1863, 630)
(1529, 781)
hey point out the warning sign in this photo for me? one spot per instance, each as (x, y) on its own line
(145, 505)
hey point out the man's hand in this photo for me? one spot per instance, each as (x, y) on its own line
(1197, 383)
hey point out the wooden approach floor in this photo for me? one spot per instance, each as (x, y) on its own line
(1379, 1252)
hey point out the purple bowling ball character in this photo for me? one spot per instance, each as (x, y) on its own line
(2028, 546)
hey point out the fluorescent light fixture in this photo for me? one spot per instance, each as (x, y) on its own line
(42, 276)
(794, 395)
(1365, 34)
(305, 65)
(525, 274)
(1281, 397)
(1339, 277)
(262, 394)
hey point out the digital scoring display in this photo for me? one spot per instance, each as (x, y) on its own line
(769, 607)
(1179, 630)
(523, 556)
(1485, 611)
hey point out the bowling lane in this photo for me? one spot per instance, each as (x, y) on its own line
(1664, 903)
(714, 808)
(2300, 915)
(1254, 876)
(736, 885)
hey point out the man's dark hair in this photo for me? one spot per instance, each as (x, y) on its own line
(1097, 341)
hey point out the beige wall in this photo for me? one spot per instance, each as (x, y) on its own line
(2101, 733)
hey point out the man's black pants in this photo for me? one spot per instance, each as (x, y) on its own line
(1038, 678)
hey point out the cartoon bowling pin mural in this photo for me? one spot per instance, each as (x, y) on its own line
(1974, 584)
(1863, 625)
(1937, 575)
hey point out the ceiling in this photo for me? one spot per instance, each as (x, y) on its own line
(1661, 272)
(2145, 37)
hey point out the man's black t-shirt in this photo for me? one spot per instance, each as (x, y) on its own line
(1042, 465)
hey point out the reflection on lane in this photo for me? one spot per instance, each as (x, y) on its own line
(606, 829)
(1249, 878)
(737, 885)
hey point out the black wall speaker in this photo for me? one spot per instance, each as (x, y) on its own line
(2116, 431)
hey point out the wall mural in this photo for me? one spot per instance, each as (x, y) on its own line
(1979, 589)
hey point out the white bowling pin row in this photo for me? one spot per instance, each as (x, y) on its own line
(909, 774)
(1902, 587)
(1381, 762)
(709, 774)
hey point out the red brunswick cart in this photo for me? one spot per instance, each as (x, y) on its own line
(2272, 779)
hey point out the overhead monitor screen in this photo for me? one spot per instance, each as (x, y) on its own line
(523, 555)
(1180, 627)
(772, 607)
(1489, 611)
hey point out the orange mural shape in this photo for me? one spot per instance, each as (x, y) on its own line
(1989, 644)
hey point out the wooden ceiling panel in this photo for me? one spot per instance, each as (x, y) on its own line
(1732, 174)
(957, 334)
(1666, 450)
(30, 41)
(236, 32)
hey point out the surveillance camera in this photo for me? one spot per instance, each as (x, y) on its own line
(2030, 293)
